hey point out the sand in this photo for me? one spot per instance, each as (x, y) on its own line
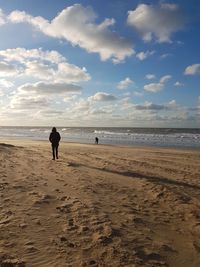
(98, 206)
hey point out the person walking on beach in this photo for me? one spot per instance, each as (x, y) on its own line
(96, 140)
(54, 138)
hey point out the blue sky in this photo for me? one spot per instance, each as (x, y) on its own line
(100, 63)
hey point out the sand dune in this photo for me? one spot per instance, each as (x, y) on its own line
(104, 206)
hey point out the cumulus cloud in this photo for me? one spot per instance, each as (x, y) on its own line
(136, 93)
(143, 55)
(81, 105)
(7, 70)
(124, 83)
(172, 104)
(2, 93)
(178, 84)
(165, 78)
(155, 87)
(40, 95)
(45, 65)
(49, 113)
(2, 17)
(5, 83)
(70, 73)
(63, 72)
(101, 96)
(150, 76)
(69, 98)
(20, 54)
(28, 102)
(43, 88)
(156, 21)
(11, 114)
(192, 69)
(163, 56)
(151, 106)
(76, 24)
(38, 70)
(49, 77)
(103, 110)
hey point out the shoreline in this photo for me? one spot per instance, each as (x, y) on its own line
(22, 140)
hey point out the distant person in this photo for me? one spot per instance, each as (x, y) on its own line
(96, 140)
(54, 138)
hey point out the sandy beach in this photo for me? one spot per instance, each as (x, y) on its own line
(105, 206)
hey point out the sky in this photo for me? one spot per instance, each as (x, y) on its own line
(116, 63)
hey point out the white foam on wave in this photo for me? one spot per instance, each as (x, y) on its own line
(110, 133)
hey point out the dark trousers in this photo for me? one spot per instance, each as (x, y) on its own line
(55, 150)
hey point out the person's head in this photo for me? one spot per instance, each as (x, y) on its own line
(54, 129)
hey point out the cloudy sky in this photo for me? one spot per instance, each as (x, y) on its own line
(133, 63)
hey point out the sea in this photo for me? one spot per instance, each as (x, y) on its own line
(160, 137)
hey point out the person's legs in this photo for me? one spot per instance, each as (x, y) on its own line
(56, 151)
(53, 152)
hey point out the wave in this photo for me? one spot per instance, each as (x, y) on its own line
(111, 133)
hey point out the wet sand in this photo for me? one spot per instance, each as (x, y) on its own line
(105, 206)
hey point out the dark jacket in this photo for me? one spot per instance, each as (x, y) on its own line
(54, 138)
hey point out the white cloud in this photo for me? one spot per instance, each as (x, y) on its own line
(101, 96)
(7, 70)
(138, 93)
(127, 94)
(43, 88)
(124, 83)
(81, 105)
(156, 21)
(192, 69)
(61, 73)
(28, 102)
(49, 78)
(39, 64)
(151, 106)
(2, 18)
(70, 73)
(48, 113)
(10, 114)
(150, 76)
(70, 98)
(154, 87)
(76, 24)
(21, 16)
(2, 93)
(6, 83)
(172, 104)
(22, 55)
(165, 78)
(39, 95)
(143, 55)
(178, 84)
(38, 70)
(163, 56)
(99, 111)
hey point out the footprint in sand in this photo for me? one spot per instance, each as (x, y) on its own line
(43, 199)
(5, 221)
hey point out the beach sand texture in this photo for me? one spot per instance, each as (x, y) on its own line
(105, 206)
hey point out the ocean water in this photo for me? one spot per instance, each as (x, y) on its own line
(162, 137)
